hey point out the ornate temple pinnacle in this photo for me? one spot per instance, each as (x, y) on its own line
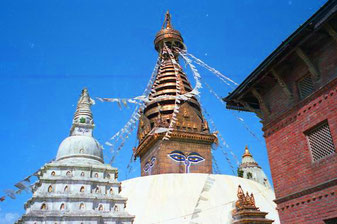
(247, 153)
(167, 21)
(83, 122)
(245, 201)
(168, 35)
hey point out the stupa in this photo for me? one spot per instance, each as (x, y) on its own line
(250, 169)
(177, 185)
(78, 187)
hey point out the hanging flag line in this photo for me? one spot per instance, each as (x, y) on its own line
(215, 167)
(213, 70)
(23, 185)
(222, 140)
(202, 199)
(237, 117)
(130, 125)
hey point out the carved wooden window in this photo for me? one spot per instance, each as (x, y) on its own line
(305, 86)
(320, 141)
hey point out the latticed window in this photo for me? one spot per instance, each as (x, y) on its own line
(305, 86)
(320, 141)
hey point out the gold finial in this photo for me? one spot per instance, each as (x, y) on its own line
(247, 153)
(167, 21)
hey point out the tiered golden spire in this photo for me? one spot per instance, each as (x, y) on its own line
(170, 81)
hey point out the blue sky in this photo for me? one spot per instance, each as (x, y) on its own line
(50, 50)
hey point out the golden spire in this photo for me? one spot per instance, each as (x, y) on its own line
(167, 21)
(247, 153)
(168, 35)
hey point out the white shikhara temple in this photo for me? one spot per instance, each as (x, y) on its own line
(78, 187)
(251, 170)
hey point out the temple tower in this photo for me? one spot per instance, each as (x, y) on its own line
(78, 187)
(249, 169)
(188, 149)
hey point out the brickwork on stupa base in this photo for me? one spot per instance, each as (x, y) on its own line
(164, 163)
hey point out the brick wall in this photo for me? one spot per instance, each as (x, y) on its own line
(288, 151)
(305, 190)
(323, 53)
(311, 208)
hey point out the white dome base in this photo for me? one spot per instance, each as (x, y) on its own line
(182, 198)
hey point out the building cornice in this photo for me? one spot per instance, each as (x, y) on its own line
(310, 190)
(301, 108)
(150, 140)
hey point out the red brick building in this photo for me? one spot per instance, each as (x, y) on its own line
(294, 92)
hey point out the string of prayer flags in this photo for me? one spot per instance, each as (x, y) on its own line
(213, 70)
(237, 117)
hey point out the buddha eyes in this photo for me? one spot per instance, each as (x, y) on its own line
(179, 156)
(195, 158)
(153, 159)
(146, 167)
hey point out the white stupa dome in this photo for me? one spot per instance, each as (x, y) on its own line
(80, 147)
(183, 198)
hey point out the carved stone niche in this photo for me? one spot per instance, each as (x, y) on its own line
(246, 211)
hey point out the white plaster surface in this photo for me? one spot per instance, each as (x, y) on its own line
(172, 198)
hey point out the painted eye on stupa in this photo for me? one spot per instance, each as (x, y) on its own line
(153, 159)
(194, 157)
(146, 167)
(177, 156)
